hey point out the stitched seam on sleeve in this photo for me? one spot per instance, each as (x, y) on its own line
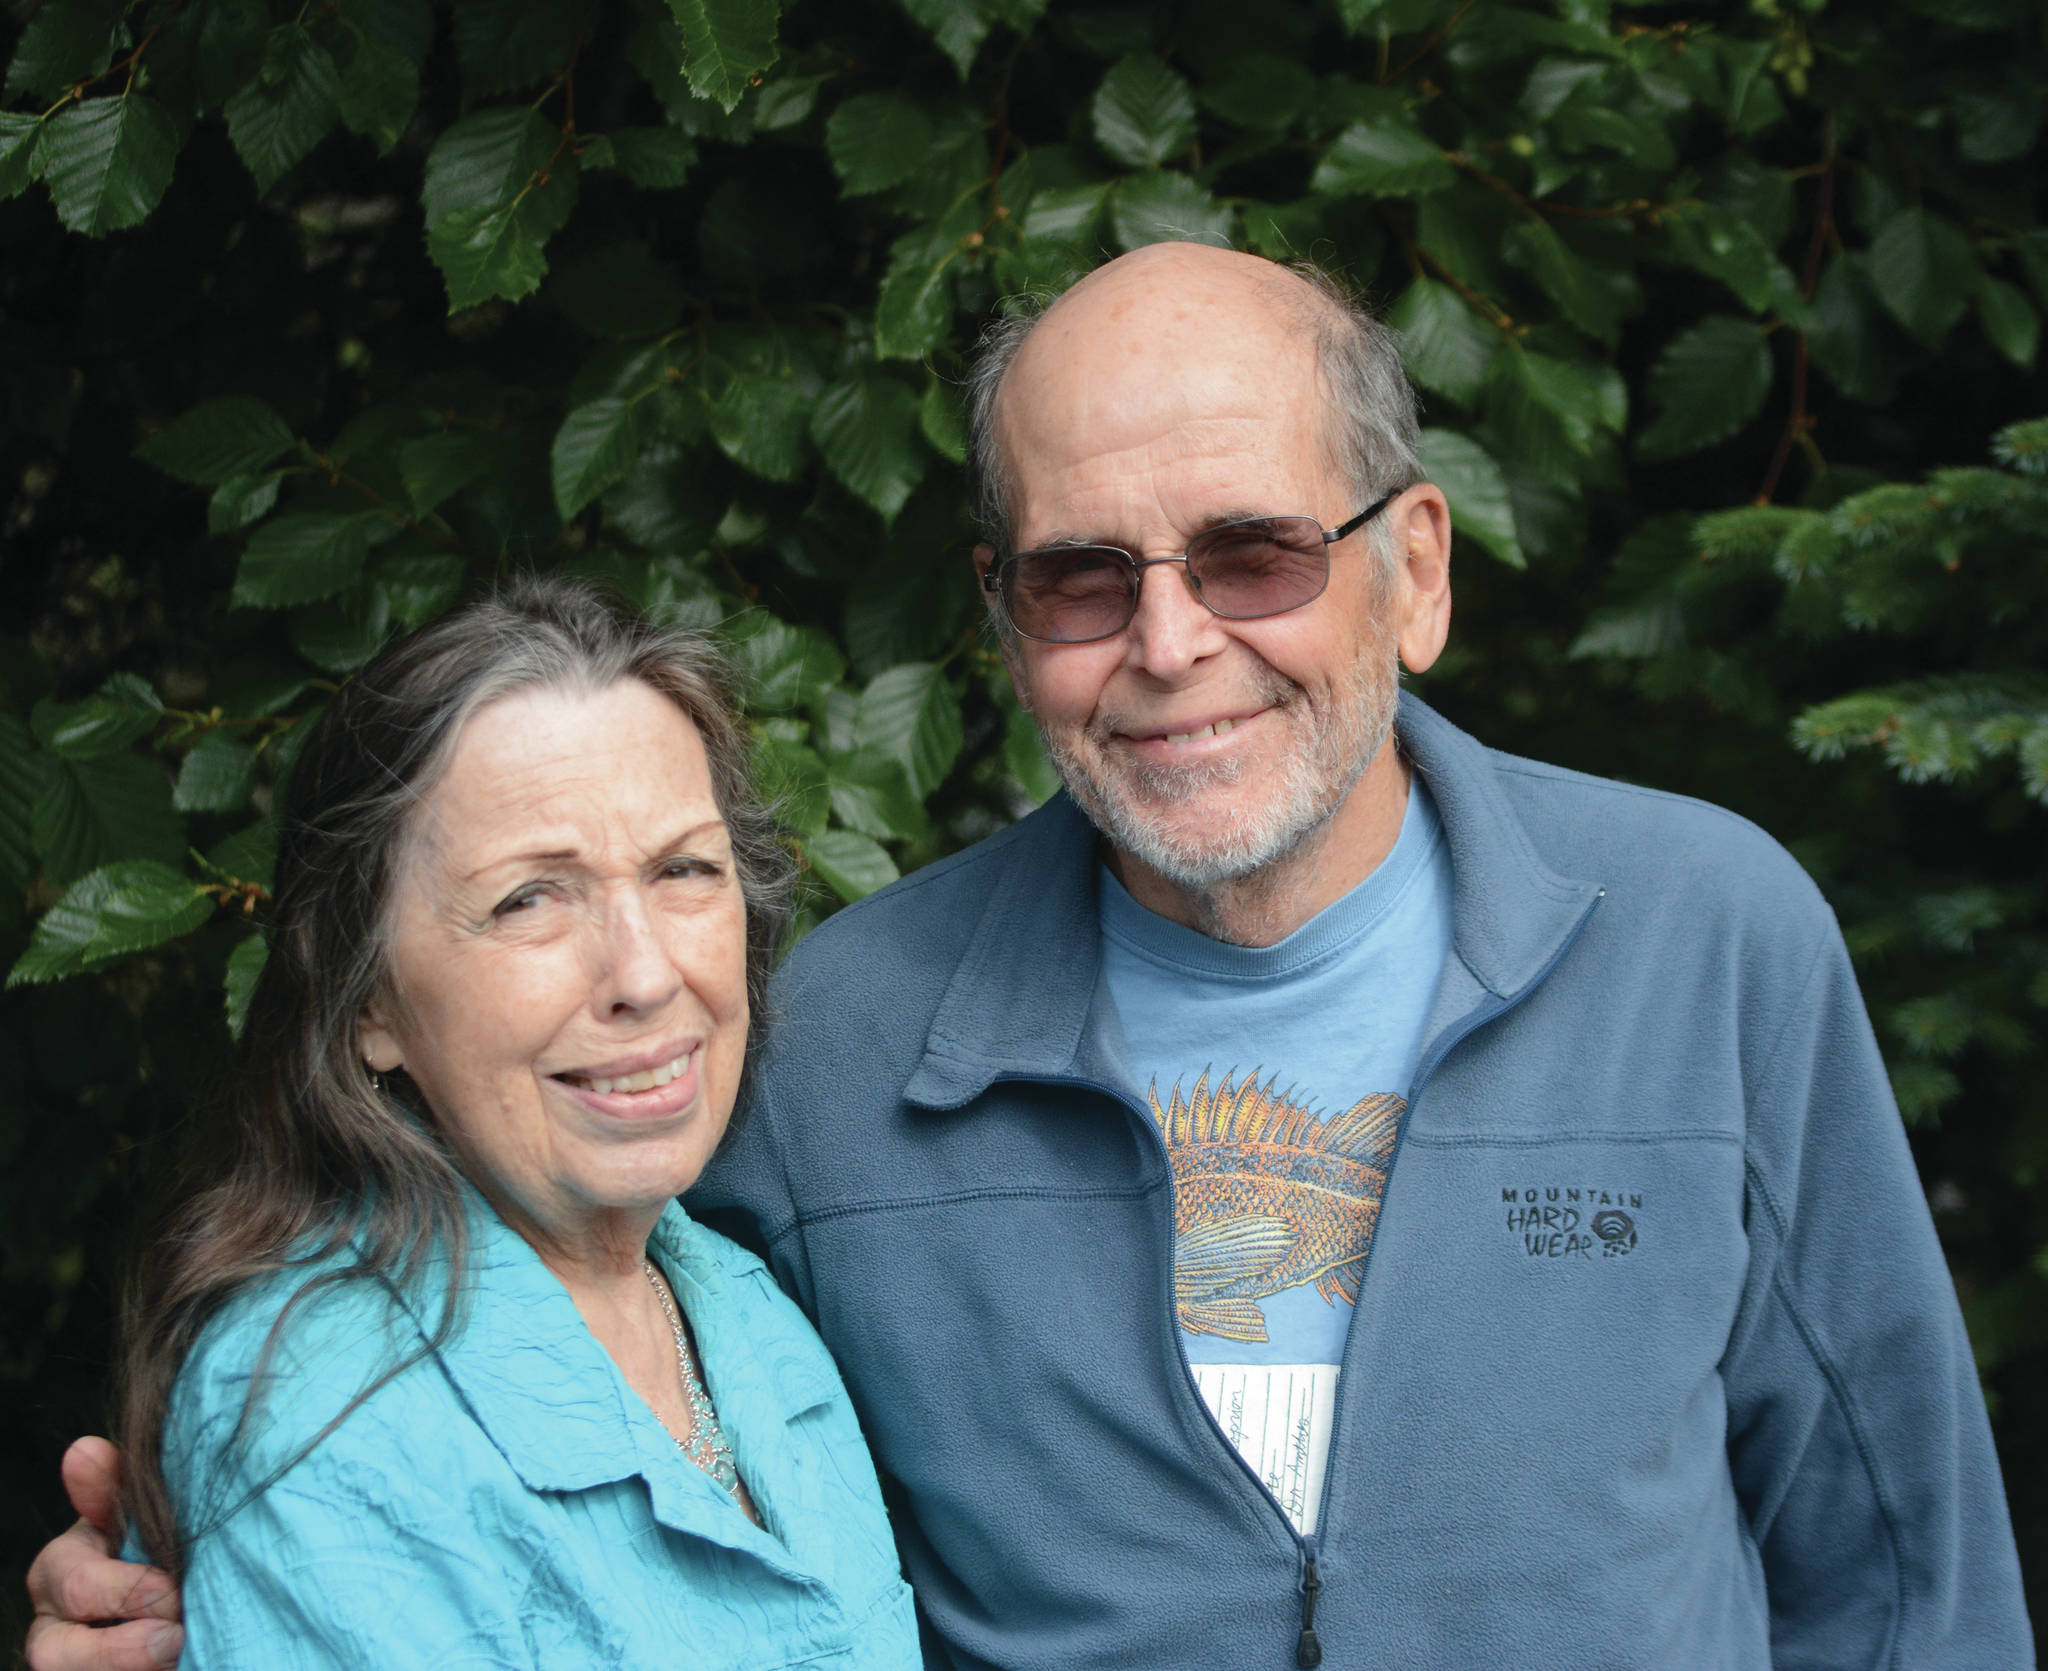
(1838, 1391)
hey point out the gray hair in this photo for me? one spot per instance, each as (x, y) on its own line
(304, 1158)
(1372, 428)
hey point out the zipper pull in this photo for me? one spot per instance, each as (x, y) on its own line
(1308, 1651)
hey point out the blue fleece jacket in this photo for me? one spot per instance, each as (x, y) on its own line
(1656, 1362)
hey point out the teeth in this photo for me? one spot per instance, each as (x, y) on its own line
(1216, 730)
(646, 1080)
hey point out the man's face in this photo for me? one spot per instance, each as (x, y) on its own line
(1206, 749)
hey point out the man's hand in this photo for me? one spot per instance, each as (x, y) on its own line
(78, 1587)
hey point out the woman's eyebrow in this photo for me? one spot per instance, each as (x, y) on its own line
(569, 855)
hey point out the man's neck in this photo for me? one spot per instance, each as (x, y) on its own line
(1263, 908)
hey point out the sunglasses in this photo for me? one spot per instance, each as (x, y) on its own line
(1242, 571)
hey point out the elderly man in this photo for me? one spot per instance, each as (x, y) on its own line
(1324, 1189)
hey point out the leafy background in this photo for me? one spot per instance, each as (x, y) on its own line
(315, 319)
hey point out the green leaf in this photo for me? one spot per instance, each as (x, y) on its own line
(594, 448)
(216, 776)
(942, 419)
(498, 185)
(866, 428)
(91, 812)
(1994, 129)
(245, 968)
(786, 666)
(871, 793)
(655, 159)
(250, 854)
(20, 134)
(1143, 113)
(341, 634)
(915, 305)
(852, 865)
(378, 93)
(667, 503)
(303, 557)
(435, 468)
(419, 586)
(1446, 345)
(122, 711)
(1472, 482)
(786, 101)
(484, 160)
(107, 162)
(508, 44)
(877, 140)
(791, 779)
(912, 714)
(2009, 321)
(277, 118)
(117, 910)
(64, 42)
(1924, 272)
(486, 253)
(1726, 246)
(1066, 214)
(218, 440)
(725, 44)
(760, 422)
(1583, 295)
(240, 500)
(22, 774)
(1260, 91)
(1163, 207)
(1025, 758)
(1708, 382)
(1386, 158)
(960, 26)
(1357, 14)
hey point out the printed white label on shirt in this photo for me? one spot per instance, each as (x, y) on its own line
(1278, 1416)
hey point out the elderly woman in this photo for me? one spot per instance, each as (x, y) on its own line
(429, 1367)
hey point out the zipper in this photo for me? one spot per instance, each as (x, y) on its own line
(1308, 1647)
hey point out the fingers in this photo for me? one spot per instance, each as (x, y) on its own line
(74, 1580)
(92, 1479)
(145, 1645)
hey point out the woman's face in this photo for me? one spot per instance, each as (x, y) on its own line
(569, 959)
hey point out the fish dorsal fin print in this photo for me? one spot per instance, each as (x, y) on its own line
(1232, 1319)
(1366, 1130)
(1210, 1256)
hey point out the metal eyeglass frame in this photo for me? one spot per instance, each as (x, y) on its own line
(992, 581)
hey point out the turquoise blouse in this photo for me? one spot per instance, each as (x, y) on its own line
(510, 1501)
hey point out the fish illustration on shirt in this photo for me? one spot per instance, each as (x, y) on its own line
(1268, 1196)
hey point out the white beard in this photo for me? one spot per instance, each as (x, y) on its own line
(1270, 820)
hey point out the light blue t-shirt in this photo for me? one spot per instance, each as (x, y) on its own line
(1278, 1077)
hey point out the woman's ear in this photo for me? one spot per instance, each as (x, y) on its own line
(376, 1042)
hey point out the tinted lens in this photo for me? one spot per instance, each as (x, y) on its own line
(1248, 569)
(1069, 594)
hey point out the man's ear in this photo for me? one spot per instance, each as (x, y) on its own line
(376, 1042)
(1421, 529)
(984, 559)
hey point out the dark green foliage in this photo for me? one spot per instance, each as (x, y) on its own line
(315, 320)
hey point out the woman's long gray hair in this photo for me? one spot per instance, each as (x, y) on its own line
(305, 1161)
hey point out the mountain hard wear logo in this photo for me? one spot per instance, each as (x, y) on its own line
(1555, 1221)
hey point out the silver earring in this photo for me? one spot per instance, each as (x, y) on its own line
(376, 1080)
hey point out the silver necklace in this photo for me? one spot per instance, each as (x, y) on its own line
(706, 1445)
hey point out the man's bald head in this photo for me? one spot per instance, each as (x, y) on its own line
(1160, 313)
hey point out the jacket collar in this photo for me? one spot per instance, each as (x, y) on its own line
(1022, 995)
(557, 1408)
